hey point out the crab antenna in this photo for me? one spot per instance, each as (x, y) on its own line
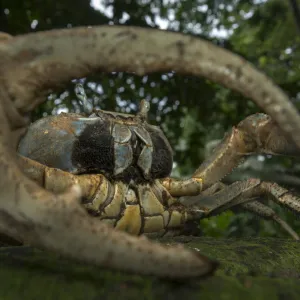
(81, 95)
(144, 108)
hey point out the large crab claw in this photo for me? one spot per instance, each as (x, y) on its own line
(33, 64)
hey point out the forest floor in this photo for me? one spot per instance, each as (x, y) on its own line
(252, 268)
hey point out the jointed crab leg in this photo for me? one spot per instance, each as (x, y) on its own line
(178, 187)
(256, 134)
(244, 193)
(268, 213)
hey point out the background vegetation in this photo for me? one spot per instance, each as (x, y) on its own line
(193, 112)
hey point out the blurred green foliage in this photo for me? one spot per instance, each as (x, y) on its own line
(192, 111)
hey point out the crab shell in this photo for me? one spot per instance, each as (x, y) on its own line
(120, 146)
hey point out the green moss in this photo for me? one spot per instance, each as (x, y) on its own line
(253, 256)
(253, 268)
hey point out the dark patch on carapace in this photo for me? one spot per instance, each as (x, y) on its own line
(83, 146)
(162, 158)
(93, 151)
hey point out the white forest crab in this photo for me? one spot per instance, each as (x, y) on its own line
(33, 64)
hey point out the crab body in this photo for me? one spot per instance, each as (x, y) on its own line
(126, 156)
(122, 164)
(120, 146)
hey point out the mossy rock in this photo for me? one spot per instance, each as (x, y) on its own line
(249, 269)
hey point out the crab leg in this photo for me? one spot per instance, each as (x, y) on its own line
(178, 188)
(258, 133)
(244, 193)
(268, 213)
(58, 181)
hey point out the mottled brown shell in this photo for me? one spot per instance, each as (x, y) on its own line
(120, 146)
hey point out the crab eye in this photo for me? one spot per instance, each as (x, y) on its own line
(146, 105)
(79, 90)
(144, 108)
(80, 93)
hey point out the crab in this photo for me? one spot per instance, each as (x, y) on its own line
(123, 164)
(41, 204)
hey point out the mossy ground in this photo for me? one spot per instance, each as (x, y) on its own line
(250, 269)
